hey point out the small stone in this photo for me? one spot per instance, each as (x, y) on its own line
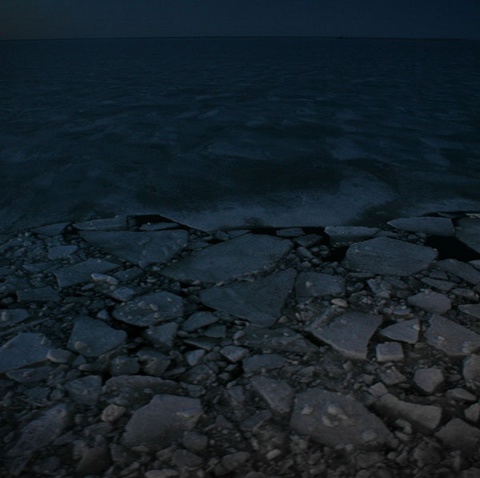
(195, 442)
(123, 294)
(431, 302)
(472, 413)
(473, 310)
(315, 284)
(124, 365)
(471, 368)
(199, 320)
(233, 353)
(406, 331)
(112, 413)
(389, 352)
(278, 394)
(60, 356)
(461, 394)
(61, 252)
(341, 236)
(162, 336)
(428, 379)
(85, 390)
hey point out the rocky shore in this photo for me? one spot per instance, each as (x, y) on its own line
(140, 347)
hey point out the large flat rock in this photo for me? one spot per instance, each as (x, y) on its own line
(437, 226)
(259, 302)
(141, 248)
(468, 231)
(220, 262)
(383, 255)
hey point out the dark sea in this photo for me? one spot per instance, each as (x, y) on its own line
(232, 131)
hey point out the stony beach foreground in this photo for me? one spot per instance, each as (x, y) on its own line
(140, 347)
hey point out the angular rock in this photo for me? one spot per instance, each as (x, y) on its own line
(199, 320)
(315, 284)
(94, 461)
(162, 336)
(439, 284)
(259, 302)
(257, 363)
(473, 310)
(431, 302)
(117, 223)
(233, 353)
(471, 368)
(459, 435)
(436, 226)
(406, 331)
(82, 272)
(389, 352)
(85, 390)
(165, 419)
(229, 259)
(11, 317)
(334, 420)
(61, 252)
(23, 350)
(453, 339)
(40, 294)
(278, 394)
(141, 248)
(150, 309)
(383, 255)
(423, 418)
(468, 231)
(465, 271)
(92, 337)
(349, 333)
(51, 230)
(428, 379)
(346, 235)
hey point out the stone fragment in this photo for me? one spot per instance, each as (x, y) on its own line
(257, 363)
(349, 333)
(434, 226)
(229, 259)
(345, 235)
(471, 368)
(40, 294)
(259, 302)
(51, 230)
(406, 331)
(233, 353)
(94, 461)
(439, 284)
(278, 394)
(141, 248)
(61, 252)
(389, 352)
(85, 390)
(423, 418)
(315, 284)
(473, 310)
(383, 255)
(165, 419)
(162, 336)
(428, 379)
(431, 302)
(82, 272)
(124, 365)
(472, 413)
(92, 337)
(150, 309)
(459, 435)
(453, 339)
(460, 269)
(468, 231)
(461, 394)
(11, 317)
(111, 413)
(153, 362)
(199, 320)
(23, 350)
(336, 420)
(123, 294)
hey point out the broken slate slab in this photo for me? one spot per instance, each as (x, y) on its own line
(11, 317)
(473, 310)
(436, 226)
(468, 231)
(406, 331)
(336, 420)
(383, 255)
(459, 435)
(165, 419)
(82, 272)
(431, 302)
(278, 394)
(349, 333)
(229, 259)
(452, 338)
(346, 235)
(92, 337)
(428, 379)
(162, 336)
(316, 284)
(85, 390)
(150, 309)
(260, 302)
(465, 271)
(141, 248)
(23, 350)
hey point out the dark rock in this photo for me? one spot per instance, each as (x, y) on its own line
(315, 284)
(436, 226)
(468, 231)
(82, 272)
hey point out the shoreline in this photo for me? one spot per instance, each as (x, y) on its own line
(138, 346)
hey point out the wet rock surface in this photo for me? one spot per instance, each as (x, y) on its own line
(132, 348)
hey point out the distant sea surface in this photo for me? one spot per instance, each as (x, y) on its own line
(231, 131)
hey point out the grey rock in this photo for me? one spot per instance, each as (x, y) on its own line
(82, 272)
(383, 255)
(153, 362)
(473, 310)
(149, 309)
(349, 333)
(460, 394)
(124, 365)
(423, 418)
(468, 231)
(85, 390)
(437, 226)
(141, 248)
(439, 284)
(23, 350)
(428, 379)
(117, 223)
(162, 336)
(471, 368)
(259, 302)
(92, 337)
(257, 363)
(229, 259)
(199, 320)
(431, 302)
(346, 235)
(51, 230)
(389, 352)
(336, 420)
(94, 461)
(61, 252)
(165, 419)
(234, 353)
(123, 294)
(472, 413)
(315, 284)
(40, 294)
(459, 435)
(11, 317)
(406, 331)
(278, 394)
(453, 339)
(290, 232)
(465, 271)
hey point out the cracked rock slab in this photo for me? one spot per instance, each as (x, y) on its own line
(229, 259)
(406, 331)
(437, 226)
(383, 255)
(336, 420)
(349, 334)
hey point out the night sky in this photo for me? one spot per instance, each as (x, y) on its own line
(33, 19)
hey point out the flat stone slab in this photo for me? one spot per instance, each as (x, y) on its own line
(82, 272)
(92, 337)
(473, 310)
(316, 284)
(406, 331)
(468, 231)
(459, 435)
(229, 259)
(452, 338)
(336, 420)
(431, 302)
(277, 393)
(23, 350)
(349, 334)
(465, 271)
(141, 248)
(150, 309)
(165, 419)
(383, 255)
(11, 317)
(259, 302)
(346, 235)
(436, 226)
